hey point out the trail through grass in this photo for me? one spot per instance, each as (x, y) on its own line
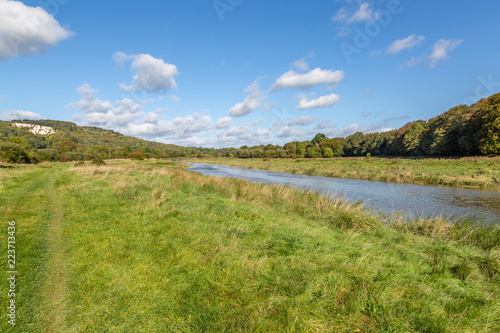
(54, 290)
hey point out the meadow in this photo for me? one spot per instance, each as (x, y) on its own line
(468, 172)
(147, 246)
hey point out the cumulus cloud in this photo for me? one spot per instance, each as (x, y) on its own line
(154, 117)
(405, 44)
(321, 102)
(294, 80)
(441, 49)
(288, 132)
(302, 121)
(301, 65)
(27, 30)
(175, 99)
(225, 122)
(152, 75)
(243, 135)
(177, 128)
(254, 97)
(363, 13)
(19, 115)
(333, 131)
(103, 113)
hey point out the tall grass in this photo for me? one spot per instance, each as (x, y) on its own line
(154, 248)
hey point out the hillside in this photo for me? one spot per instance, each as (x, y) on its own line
(461, 131)
(72, 142)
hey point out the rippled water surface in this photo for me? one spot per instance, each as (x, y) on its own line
(386, 197)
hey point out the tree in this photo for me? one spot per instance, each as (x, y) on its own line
(327, 152)
(291, 148)
(317, 138)
(413, 136)
(68, 146)
(13, 153)
(489, 135)
(354, 144)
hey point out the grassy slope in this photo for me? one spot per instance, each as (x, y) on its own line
(478, 172)
(150, 247)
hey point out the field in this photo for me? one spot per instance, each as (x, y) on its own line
(473, 172)
(150, 247)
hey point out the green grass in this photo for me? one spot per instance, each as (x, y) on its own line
(468, 172)
(150, 247)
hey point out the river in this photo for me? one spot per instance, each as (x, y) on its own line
(413, 200)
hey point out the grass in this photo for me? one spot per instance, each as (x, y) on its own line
(150, 247)
(468, 172)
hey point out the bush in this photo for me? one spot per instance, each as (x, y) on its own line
(98, 161)
(137, 156)
(49, 155)
(79, 164)
(13, 153)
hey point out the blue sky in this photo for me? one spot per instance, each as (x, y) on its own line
(239, 72)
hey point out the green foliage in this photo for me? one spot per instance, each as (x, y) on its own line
(489, 135)
(137, 156)
(98, 161)
(461, 131)
(13, 153)
(413, 136)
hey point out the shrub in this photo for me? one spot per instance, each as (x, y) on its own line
(13, 153)
(98, 161)
(137, 156)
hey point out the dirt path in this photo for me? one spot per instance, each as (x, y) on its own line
(54, 289)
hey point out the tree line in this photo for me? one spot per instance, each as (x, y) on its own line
(461, 131)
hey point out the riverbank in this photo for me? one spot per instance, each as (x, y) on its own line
(473, 172)
(149, 246)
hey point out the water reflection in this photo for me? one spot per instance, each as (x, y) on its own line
(386, 197)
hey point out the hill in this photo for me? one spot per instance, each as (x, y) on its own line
(68, 141)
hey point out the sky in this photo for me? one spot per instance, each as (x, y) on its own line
(227, 73)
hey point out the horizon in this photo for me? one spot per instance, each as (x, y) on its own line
(233, 73)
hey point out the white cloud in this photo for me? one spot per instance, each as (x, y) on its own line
(288, 132)
(301, 64)
(89, 102)
(302, 121)
(294, 80)
(413, 61)
(175, 99)
(441, 49)
(353, 128)
(102, 113)
(27, 30)
(151, 74)
(256, 122)
(177, 128)
(242, 135)
(254, 97)
(154, 116)
(225, 122)
(363, 13)
(19, 115)
(321, 102)
(342, 15)
(405, 44)
(120, 58)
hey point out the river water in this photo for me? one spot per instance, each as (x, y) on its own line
(414, 200)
